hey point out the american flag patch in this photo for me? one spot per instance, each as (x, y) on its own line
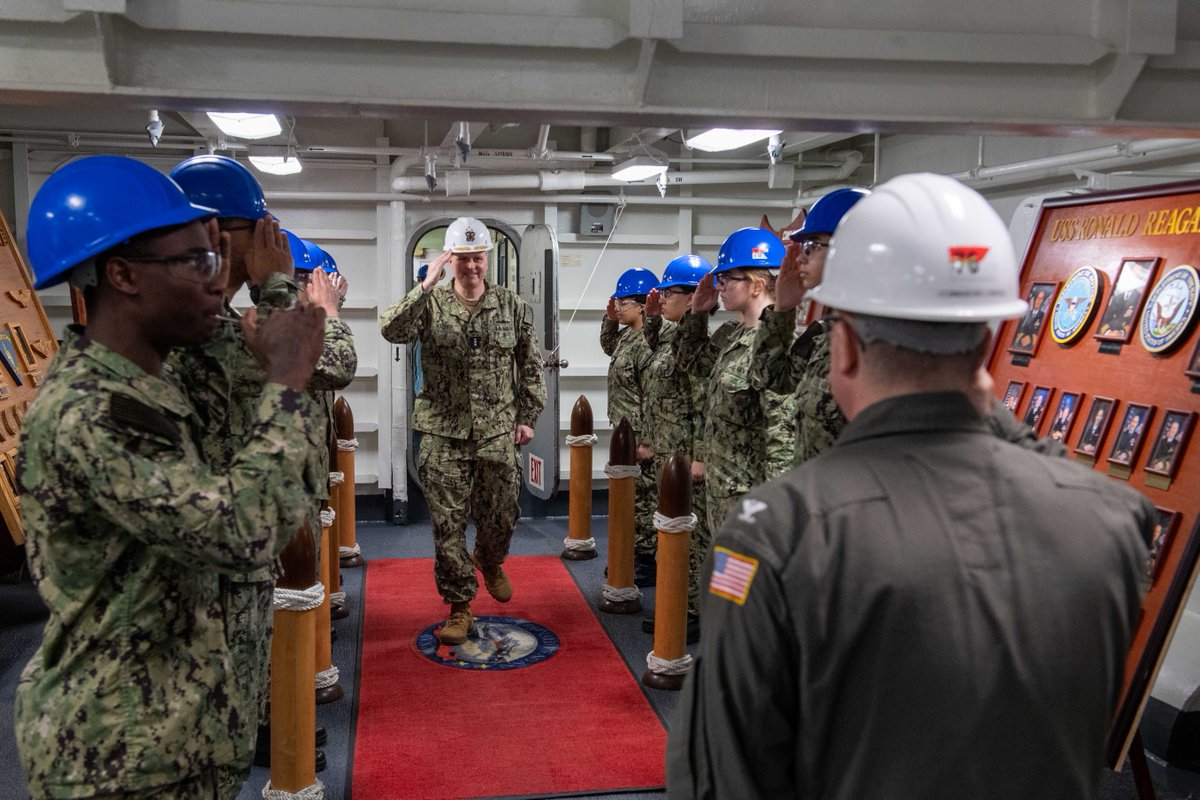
(732, 573)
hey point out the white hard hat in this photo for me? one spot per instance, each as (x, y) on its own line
(922, 247)
(468, 235)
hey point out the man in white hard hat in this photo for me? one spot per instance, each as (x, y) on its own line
(925, 609)
(483, 390)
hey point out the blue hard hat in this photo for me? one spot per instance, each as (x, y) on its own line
(827, 212)
(685, 271)
(222, 183)
(328, 264)
(750, 248)
(93, 204)
(302, 258)
(635, 281)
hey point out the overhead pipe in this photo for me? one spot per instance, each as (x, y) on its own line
(347, 198)
(1065, 162)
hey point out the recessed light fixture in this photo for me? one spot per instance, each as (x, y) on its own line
(247, 126)
(716, 140)
(639, 168)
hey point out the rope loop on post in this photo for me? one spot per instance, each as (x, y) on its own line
(582, 545)
(347, 445)
(587, 440)
(349, 552)
(337, 478)
(327, 517)
(298, 599)
(674, 524)
(623, 595)
(662, 666)
(314, 792)
(327, 678)
(622, 470)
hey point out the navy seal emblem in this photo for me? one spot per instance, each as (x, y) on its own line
(498, 643)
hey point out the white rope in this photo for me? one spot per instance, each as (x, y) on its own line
(314, 792)
(622, 470)
(674, 524)
(582, 545)
(587, 440)
(327, 678)
(624, 595)
(327, 517)
(337, 478)
(337, 598)
(298, 599)
(347, 445)
(662, 666)
(349, 552)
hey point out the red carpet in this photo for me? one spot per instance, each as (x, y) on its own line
(576, 721)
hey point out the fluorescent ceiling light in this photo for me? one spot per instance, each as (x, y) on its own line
(277, 165)
(247, 126)
(639, 168)
(716, 140)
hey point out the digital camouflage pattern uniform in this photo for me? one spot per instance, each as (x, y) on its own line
(628, 372)
(482, 377)
(127, 530)
(786, 362)
(675, 421)
(223, 380)
(747, 431)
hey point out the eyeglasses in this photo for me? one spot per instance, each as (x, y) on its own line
(725, 278)
(810, 246)
(675, 290)
(626, 302)
(200, 266)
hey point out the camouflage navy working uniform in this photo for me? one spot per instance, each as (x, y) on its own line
(628, 372)
(675, 419)
(482, 377)
(785, 362)
(224, 382)
(127, 529)
(747, 432)
(921, 578)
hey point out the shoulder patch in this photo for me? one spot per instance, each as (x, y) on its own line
(140, 417)
(732, 574)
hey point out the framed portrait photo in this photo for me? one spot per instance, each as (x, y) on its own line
(1165, 524)
(1039, 401)
(1120, 316)
(1064, 415)
(1130, 434)
(1193, 363)
(1167, 450)
(1012, 396)
(1096, 424)
(1029, 328)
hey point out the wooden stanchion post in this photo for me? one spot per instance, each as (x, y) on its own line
(668, 662)
(579, 544)
(337, 598)
(293, 665)
(619, 595)
(343, 421)
(328, 688)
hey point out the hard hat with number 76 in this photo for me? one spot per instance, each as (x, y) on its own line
(922, 247)
(468, 235)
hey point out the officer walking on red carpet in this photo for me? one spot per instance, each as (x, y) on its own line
(924, 609)
(482, 392)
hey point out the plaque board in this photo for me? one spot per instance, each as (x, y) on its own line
(27, 344)
(1149, 232)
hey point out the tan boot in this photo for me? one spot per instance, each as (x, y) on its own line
(496, 582)
(459, 625)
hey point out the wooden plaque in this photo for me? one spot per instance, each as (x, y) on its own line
(27, 344)
(1130, 237)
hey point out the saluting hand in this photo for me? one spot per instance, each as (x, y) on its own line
(704, 299)
(436, 270)
(287, 343)
(269, 252)
(654, 303)
(321, 293)
(789, 286)
(610, 311)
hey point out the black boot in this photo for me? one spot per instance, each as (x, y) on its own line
(645, 570)
(262, 745)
